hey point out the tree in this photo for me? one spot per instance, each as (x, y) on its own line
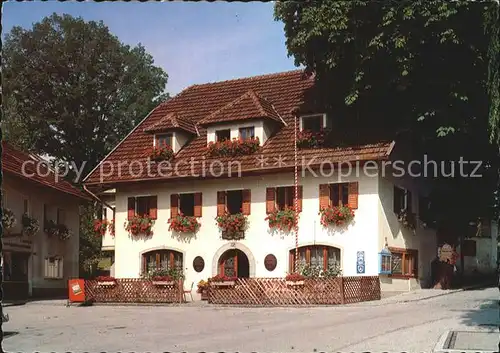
(72, 90)
(430, 68)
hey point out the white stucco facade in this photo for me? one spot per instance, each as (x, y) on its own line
(374, 221)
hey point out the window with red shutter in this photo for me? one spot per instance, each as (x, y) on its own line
(174, 205)
(198, 204)
(247, 201)
(270, 200)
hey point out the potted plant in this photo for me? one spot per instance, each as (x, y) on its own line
(30, 225)
(311, 139)
(8, 219)
(294, 279)
(233, 148)
(203, 287)
(283, 220)
(222, 281)
(184, 224)
(164, 276)
(161, 153)
(232, 226)
(407, 219)
(336, 215)
(100, 227)
(57, 230)
(140, 225)
(106, 281)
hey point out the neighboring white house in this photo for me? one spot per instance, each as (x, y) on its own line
(34, 263)
(263, 107)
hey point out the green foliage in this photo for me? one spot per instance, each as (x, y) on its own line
(72, 90)
(426, 70)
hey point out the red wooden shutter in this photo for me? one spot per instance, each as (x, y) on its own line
(324, 196)
(174, 205)
(221, 203)
(131, 208)
(270, 200)
(197, 204)
(299, 198)
(245, 209)
(153, 207)
(353, 195)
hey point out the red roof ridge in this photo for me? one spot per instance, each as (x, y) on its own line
(249, 78)
(177, 120)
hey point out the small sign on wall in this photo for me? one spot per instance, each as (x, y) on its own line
(360, 262)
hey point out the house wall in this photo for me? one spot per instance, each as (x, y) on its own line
(485, 261)
(259, 240)
(390, 230)
(234, 127)
(40, 245)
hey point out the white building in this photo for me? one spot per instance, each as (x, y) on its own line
(191, 183)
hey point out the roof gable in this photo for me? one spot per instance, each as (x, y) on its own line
(173, 121)
(248, 106)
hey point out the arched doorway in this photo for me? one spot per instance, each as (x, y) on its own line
(234, 263)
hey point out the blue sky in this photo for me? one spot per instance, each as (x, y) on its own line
(193, 42)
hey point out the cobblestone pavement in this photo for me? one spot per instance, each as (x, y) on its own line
(412, 323)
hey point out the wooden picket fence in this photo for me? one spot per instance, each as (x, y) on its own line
(133, 290)
(278, 292)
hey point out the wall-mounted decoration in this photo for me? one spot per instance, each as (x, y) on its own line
(385, 262)
(270, 262)
(198, 264)
(360, 262)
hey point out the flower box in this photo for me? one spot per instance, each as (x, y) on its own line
(294, 283)
(223, 284)
(204, 294)
(30, 225)
(311, 139)
(284, 220)
(184, 224)
(232, 226)
(140, 225)
(233, 148)
(57, 230)
(336, 216)
(163, 283)
(106, 283)
(8, 219)
(161, 153)
(100, 227)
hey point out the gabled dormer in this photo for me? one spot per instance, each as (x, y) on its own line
(248, 116)
(173, 130)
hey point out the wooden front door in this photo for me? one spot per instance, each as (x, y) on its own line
(228, 264)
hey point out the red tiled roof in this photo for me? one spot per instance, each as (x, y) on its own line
(285, 93)
(172, 121)
(248, 106)
(13, 160)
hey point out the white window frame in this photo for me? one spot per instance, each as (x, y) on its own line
(246, 127)
(302, 117)
(228, 129)
(53, 269)
(157, 136)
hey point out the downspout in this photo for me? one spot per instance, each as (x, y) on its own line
(98, 199)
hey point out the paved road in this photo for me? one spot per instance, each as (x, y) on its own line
(388, 325)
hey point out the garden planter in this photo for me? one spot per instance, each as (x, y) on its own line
(294, 283)
(233, 235)
(204, 295)
(163, 283)
(106, 283)
(223, 284)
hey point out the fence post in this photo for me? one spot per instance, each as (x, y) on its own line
(342, 290)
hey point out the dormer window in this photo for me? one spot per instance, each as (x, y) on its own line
(164, 140)
(247, 132)
(223, 135)
(313, 123)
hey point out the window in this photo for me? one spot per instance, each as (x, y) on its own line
(26, 207)
(247, 133)
(162, 259)
(164, 140)
(402, 200)
(45, 219)
(61, 216)
(339, 194)
(142, 206)
(284, 197)
(104, 213)
(234, 201)
(223, 135)
(404, 262)
(53, 267)
(317, 255)
(186, 204)
(312, 123)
